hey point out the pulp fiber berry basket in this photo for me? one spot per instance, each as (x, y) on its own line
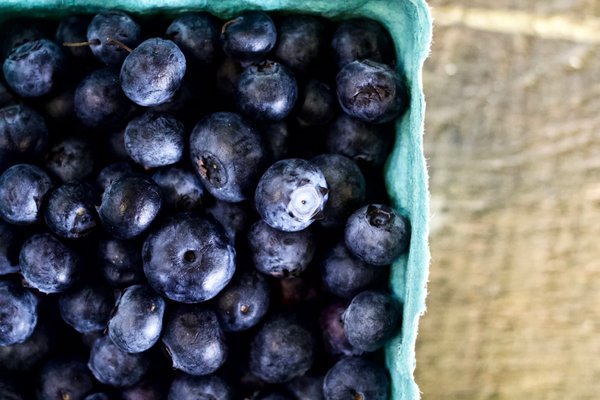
(409, 24)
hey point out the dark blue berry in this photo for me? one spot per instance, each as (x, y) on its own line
(10, 245)
(23, 135)
(25, 356)
(114, 367)
(18, 31)
(120, 262)
(112, 173)
(266, 92)
(371, 319)
(249, 37)
(137, 321)
(194, 340)
(65, 379)
(182, 189)
(150, 388)
(59, 105)
(359, 39)
(356, 378)
(48, 265)
(72, 159)
(301, 43)
(243, 303)
(306, 387)
(279, 253)
(70, 212)
(129, 206)
(281, 350)
(332, 327)
(371, 91)
(228, 154)
(291, 194)
(86, 308)
(154, 139)
(277, 136)
(153, 72)
(34, 68)
(18, 313)
(187, 387)
(233, 216)
(22, 191)
(108, 32)
(377, 234)
(316, 105)
(73, 29)
(115, 145)
(100, 101)
(197, 35)
(188, 259)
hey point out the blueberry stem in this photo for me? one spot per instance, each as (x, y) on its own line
(118, 43)
(94, 42)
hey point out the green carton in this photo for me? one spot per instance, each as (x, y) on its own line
(409, 23)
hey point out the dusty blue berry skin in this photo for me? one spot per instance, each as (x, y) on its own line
(249, 37)
(228, 155)
(154, 139)
(355, 377)
(194, 340)
(346, 188)
(291, 194)
(99, 100)
(22, 191)
(86, 308)
(187, 387)
(10, 245)
(332, 327)
(153, 72)
(73, 29)
(278, 253)
(189, 259)
(65, 379)
(281, 350)
(34, 68)
(182, 189)
(371, 319)
(71, 159)
(371, 92)
(244, 302)
(306, 387)
(25, 356)
(129, 206)
(23, 135)
(115, 25)
(197, 35)
(362, 38)
(136, 323)
(120, 262)
(316, 104)
(18, 313)
(266, 92)
(114, 367)
(48, 265)
(301, 43)
(112, 173)
(70, 212)
(377, 234)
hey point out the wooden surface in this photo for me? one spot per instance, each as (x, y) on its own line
(513, 146)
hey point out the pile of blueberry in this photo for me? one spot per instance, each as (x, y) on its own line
(193, 208)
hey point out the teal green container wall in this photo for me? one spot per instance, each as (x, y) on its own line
(409, 23)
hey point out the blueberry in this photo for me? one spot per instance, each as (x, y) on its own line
(306, 387)
(182, 189)
(10, 245)
(109, 28)
(100, 101)
(362, 38)
(48, 265)
(187, 387)
(34, 68)
(87, 307)
(371, 319)
(371, 91)
(281, 350)
(129, 206)
(154, 139)
(148, 389)
(294, 291)
(244, 302)
(112, 173)
(22, 191)
(59, 105)
(228, 154)
(197, 35)
(332, 327)
(277, 136)
(71, 159)
(23, 135)
(18, 313)
(301, 45)
(189, 258)
(233, 216)
(346, 188)
(25, 356)
(137, 321)
(70, 212)
(65, 379)
(279, 253)
(153, 72)
(194, 340)
(115, 145)
(266, 92)
(16, 32)
(291, 194)
(114, 367)
(249, 37)
(316, 105)
(356, 378)
(120, 262)
(73, 29)
(377, 234)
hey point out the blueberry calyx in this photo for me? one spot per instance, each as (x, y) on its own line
(306, 203)
(211, 169)
(381, 216)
